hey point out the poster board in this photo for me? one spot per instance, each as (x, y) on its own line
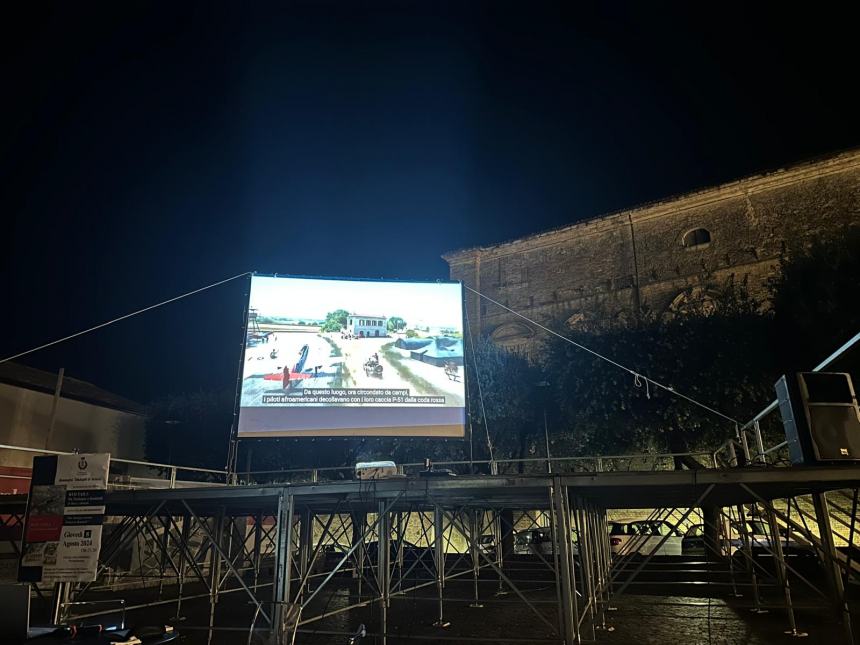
(63, 522)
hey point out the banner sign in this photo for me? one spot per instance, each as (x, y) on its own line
(63, 524)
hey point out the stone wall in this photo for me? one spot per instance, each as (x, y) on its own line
(656, 257)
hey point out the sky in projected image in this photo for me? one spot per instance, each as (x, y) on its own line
(435, 304)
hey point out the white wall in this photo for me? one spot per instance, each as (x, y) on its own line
(25, 415)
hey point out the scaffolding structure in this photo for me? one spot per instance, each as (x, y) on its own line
(320, 562)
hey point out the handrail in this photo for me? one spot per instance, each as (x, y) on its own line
(152, 464)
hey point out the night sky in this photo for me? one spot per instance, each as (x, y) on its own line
(149, 150)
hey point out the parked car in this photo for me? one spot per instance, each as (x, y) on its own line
(693, 542)
(792, 544)
(539, 541)
(644, 538)
(487, 544)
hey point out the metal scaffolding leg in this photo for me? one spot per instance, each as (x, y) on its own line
(834, 572)
(782, 574)
(384, 555)
(439, 559)
(570, 609)
(283, 569)
(305, 545)
(476, 530)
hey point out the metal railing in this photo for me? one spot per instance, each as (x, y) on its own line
(751, 430)
(166, 475)
(528, 466)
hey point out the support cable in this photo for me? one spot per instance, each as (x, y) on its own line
(638, 377)
(478, 380)
(130, 315)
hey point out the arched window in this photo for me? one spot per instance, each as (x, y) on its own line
(696, 238)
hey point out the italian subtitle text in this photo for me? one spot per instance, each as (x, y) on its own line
(353, 396)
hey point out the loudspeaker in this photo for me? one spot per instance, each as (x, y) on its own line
(820, 416)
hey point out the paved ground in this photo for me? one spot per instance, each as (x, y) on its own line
(650, 614)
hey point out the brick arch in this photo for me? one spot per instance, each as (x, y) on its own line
(512, 334)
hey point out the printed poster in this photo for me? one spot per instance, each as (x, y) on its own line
(65, 513)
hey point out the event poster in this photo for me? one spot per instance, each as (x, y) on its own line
(353, 357)
(63, 524)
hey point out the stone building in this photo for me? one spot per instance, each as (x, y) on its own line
(659, 257)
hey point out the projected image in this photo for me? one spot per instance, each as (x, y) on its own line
(353, 357)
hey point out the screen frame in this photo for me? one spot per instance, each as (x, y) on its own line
(430, 432)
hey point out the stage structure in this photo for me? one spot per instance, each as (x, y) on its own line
(416, 559)
(335, 357)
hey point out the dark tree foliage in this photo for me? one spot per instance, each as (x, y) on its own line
(504, 400)
(722, 360)
(816, 300)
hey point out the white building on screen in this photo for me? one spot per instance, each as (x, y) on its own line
(366, 326)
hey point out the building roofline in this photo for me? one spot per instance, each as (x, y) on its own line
(36, 380)
(836, 159)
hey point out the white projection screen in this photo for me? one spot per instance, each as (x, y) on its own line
(335, 357)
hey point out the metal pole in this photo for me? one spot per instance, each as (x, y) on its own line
(57, 388)
(215, 569)
(476, 531)
(546, 440)
(781, 573)
(281, 587)
(834, 573)
(439, 552)
(759, 444)
(570, 611)
(384, 532)
(305, 543)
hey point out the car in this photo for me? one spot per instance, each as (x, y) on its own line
(693, 542)
(644, 538)
(760, 540)
(487, 544)
(539, 542)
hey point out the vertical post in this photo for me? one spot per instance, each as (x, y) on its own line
(283, 557)
(165, 544)
(384, 531)
(439, 552)
(747, 547)
(215, 569)
(183, 549)
(474, 544)
(834, 573)
(585, 563)
(759, 444)
(305, 544)
(172, 477)
(781, 573)
(733, 455)
(546, 441)
(570, 611)
(258, 538)
(58, 602)
(57, 389)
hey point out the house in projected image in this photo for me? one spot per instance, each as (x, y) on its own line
(437, 351)
(364, 326)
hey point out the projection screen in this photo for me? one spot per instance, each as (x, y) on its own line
(326, 357)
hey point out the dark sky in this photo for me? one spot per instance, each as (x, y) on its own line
(152, 148)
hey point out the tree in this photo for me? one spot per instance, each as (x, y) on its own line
(335, 320)
(396, 323)
(815, 302)
(723, 360)
(503, 402)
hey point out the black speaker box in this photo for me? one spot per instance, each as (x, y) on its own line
(820, 416)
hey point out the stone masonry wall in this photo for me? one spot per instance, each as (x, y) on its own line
(611, 268)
